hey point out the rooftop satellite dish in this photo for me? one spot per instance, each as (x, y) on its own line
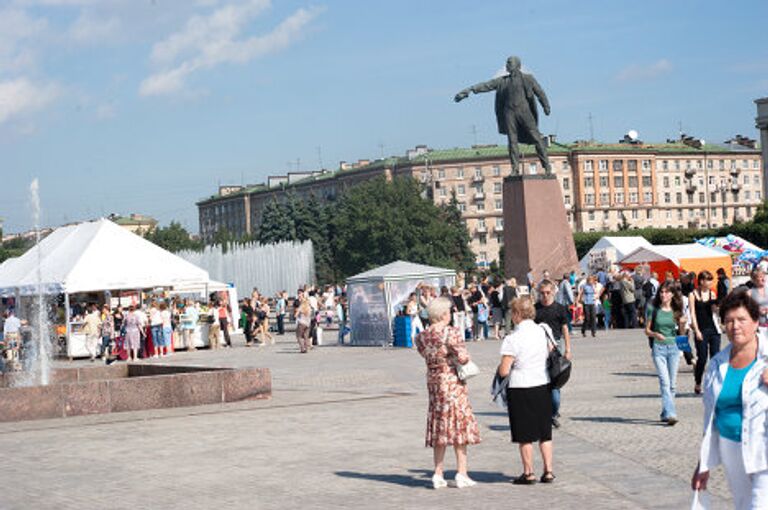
(632, 134)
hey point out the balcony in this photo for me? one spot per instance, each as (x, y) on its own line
(481, 229)
(478, 178)
(479, 195)
(735, 187)
(690, 172)
(691, 188)
(498, 228)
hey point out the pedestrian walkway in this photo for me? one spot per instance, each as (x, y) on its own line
(345, 429)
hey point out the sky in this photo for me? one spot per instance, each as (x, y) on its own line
(146, 106)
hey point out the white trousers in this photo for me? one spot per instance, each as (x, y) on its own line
(750, 492)
(91, 345)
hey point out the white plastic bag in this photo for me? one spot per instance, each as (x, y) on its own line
(700, 501)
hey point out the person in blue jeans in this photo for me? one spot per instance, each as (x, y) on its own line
(665, 320)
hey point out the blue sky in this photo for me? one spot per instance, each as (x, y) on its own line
(147, 105)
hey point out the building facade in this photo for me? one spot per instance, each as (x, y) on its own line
(604, 186)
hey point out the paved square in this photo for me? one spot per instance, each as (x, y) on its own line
(345, 429)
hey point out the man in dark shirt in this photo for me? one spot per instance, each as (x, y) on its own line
(555, 315)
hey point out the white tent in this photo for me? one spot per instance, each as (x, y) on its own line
(96, 256)
(375, 295)
(611, 249)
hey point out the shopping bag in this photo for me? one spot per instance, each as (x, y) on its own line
(700, 500)
(682, 343)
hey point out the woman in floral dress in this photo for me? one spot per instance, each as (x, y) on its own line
(450, 420)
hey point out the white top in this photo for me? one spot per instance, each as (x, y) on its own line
(528, 345)
(12, 325)
(155, 319)
(165, 316)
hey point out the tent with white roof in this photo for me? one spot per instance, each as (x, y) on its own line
(375, 296)
(609, 250)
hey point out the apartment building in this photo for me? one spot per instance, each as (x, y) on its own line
(674, 185)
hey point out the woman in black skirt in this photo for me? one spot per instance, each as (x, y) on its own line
(529, 402)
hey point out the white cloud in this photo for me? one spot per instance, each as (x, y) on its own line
(639, 72)
(91, 28)
(17, 27)
(20, 96)
(207, 41)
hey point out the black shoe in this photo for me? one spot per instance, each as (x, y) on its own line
(547, 477)
(525, 479)
(555, 423)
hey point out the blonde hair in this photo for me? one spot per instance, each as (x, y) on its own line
(438, 307)
(523, 306)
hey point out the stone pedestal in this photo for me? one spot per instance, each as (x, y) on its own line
(536, 231)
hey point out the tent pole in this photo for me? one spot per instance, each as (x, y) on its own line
(66, 321)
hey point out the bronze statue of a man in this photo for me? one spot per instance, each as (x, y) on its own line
(516, 111)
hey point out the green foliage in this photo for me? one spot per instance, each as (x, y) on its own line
(173, 238)
(375, 223)
(14, 248)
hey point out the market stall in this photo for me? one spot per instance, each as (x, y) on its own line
(678, 257)
(93, 262)
(375, 296)
(609, 250)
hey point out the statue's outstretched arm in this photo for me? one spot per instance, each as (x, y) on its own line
(486, 86)
(539, 92)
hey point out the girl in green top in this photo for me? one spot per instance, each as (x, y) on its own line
(666, 319)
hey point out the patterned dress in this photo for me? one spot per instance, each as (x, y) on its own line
(450, 420)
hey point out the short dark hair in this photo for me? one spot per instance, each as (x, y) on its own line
(705, 275)
(740, 299)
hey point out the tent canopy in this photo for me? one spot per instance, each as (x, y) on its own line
(93, 256)
(623, 246)
(401, 270)
(679, 257)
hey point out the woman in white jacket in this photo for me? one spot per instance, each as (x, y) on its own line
(736, 408)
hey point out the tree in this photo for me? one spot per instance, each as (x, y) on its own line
(276, 225)
(624, 225)
(378, 222)
(173, 238)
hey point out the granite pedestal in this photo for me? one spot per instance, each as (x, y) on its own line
(536, 231)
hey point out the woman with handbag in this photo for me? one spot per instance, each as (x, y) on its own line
(665, 320)
(529, 402)
(450, 420)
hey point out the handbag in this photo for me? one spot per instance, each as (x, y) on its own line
(682, 343)
(468, 369)
(558, 366)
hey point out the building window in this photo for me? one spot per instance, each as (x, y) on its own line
(591, 215)
(478, 171)
(566, 183)
(647, 182)
(757, 195)
(483, 239)
(567, 199)
(714, 211)
(589, 199)
(462, 207)
(499, 222)
(460, 173)
(666, 182)
(679, 214)
(665, 165)
(648, 214)
(481, 223)
(756, 179)
(721, 164)
(634, 214)
(618, 197)
(603, 181)
(441, 173)
(532, 168)
(678, 198)
(701, 197)
(710, 164)
(746, 179)
(633, 181)
(460, 190)
(677, 164)
(589, 182)
(747, 195)
(496, 171)
(480, 206)
(497, 188)
(498, 205)
(618, 181)
(603, 164)
(647, 197)
(667, 198)
(632, 165)
(443, 192)
(606, 215)
(588, 166)
(713, 197)
(605, 198)
(633, 197)
(478, 188)
(618, 165)
(669, 214)
(646, 165)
